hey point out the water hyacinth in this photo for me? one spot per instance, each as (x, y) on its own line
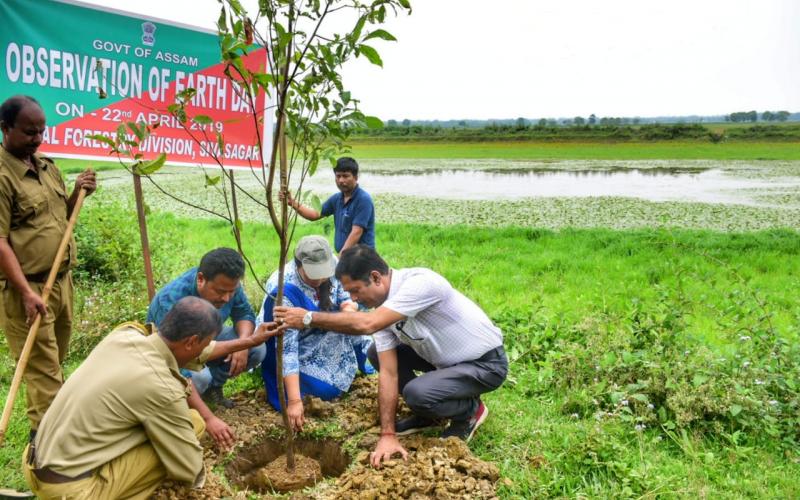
(541, 212)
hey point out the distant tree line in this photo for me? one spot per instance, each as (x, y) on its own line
(592, 120)
(752, 116)
(591, 129)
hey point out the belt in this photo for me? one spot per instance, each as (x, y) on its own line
(52, 477)
(42, 276)
(497, 352)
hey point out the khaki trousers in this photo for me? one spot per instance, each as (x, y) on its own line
(133, 475)
(43, 376)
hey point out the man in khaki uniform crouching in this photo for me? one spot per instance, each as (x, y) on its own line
(34, 210)
(120, 425)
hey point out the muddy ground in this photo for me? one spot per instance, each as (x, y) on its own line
(435, 468)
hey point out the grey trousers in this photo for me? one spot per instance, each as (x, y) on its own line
(453, 392)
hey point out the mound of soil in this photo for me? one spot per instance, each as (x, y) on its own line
(274, 475)
(435, 468)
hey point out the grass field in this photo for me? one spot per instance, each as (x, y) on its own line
(647, 362)
(529, 150)
(563, 298)
(679, 150)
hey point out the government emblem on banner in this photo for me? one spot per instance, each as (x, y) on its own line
(148, 34)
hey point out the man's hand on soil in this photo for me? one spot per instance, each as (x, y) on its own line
(386, 447)
(220, 433)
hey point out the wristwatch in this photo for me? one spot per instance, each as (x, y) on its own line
(308, 318)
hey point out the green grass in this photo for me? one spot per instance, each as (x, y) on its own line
(575, 302)
(72, 166)
(551, 281)
(530, 150)
(678, 150)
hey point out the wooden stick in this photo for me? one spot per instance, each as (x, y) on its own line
(148, 267)
(26, 349)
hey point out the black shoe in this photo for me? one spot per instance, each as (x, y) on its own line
(414, 424)
(464, 430)
(214, 396)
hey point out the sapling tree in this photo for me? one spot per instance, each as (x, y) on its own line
(307, 43)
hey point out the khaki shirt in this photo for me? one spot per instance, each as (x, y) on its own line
(33, 213)
(200, 361)
(128, 391)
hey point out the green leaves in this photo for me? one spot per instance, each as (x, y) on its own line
(370, 54)
(382, 34)
(315, 202)
(373, 122)
(608, 360)
(105, 140)
(178, 111)
(150, 167)
(222, 23)
(138, 131)
(202, 119)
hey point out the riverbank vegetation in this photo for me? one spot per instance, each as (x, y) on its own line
(603, 132)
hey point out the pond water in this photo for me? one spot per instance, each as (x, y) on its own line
(708, 186)
(718, 182)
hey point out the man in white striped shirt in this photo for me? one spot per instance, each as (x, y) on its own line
(420, 323)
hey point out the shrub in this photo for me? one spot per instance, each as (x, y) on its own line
(645, 369)
(109, 245)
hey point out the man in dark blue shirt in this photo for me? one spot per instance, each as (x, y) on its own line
(352, 208)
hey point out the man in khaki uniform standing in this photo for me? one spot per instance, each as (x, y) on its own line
(34, 209)
(121, 423)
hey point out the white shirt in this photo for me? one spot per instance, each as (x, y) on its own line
(443, 326)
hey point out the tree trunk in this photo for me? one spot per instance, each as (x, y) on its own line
(284, 241)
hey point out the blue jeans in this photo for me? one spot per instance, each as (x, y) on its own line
(216, 371)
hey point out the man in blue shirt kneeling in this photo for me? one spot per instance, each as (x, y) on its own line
(236, 349)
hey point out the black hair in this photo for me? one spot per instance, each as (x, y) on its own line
(190, 316)
(346, 164)
(225, 261)
(323, 292)
(359, 261)
(12, 106)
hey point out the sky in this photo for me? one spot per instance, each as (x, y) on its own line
(470, 59)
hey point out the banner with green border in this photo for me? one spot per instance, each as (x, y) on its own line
(93, 69)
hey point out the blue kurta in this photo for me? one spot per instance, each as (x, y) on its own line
(326, 361)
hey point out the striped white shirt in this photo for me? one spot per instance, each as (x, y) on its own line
(442, 325)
